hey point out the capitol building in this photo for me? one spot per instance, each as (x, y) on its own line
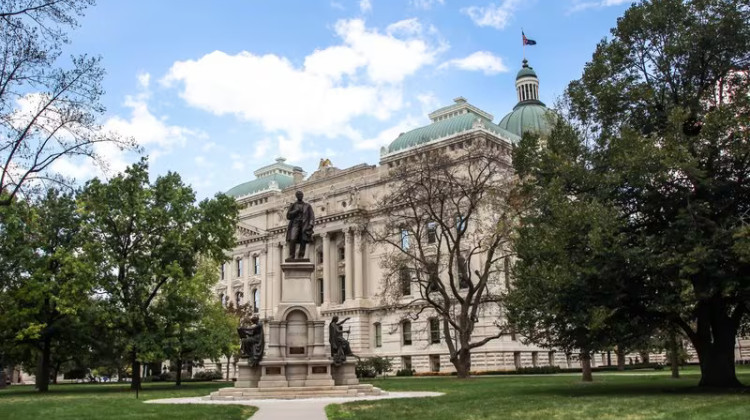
(348, 275)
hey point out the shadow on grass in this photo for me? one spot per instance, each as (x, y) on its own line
(108, 388)
(605, 389)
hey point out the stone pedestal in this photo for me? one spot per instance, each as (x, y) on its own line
(248, 376)
(345, 374)
(295, 354)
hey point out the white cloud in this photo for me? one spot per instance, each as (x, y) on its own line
(496, 16)
(426, 4)
(143, 80)
(262, 147)
(580, 5)
(365, 6)
(207, 147)
(483, 61)
(154, 134)
(360, 77)
(406, 27)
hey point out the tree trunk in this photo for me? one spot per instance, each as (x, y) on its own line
(178, 376)
(645, 357)
(190, 369)
(55, 372)
(462, 363)
(620, 358)
(135, 383)
(43, 369)
(586, 367)
(714, 342)
(229, 362)
(674, 355)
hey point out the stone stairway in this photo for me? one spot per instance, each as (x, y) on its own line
(290, 393)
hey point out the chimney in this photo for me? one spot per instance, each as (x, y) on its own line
(298, 174)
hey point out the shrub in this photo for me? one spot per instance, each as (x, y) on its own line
(208, 375)
(539, 370)
(405, 372)
(372, 366)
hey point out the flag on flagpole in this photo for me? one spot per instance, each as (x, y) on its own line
(527, 41)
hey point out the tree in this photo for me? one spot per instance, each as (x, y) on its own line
(148, 238)
(445, 228)
(665, 106)
(42, 306)
(196, 327)
(573, 261)
(46, 113)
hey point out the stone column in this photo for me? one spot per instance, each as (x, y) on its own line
(348, 257)
(263, 282)
(359, 273)
(280, 248)
(326, 268)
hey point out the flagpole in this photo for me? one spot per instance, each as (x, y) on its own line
(524, 44)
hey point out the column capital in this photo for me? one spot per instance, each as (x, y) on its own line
(323, 235)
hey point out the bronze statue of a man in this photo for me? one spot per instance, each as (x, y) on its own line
(252, 341)
(300, 229)
(339, 345)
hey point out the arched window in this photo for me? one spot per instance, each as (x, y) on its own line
(238, 297)
(256, 300)
(406, 332)
(223, 299)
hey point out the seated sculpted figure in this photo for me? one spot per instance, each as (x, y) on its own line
(252, 341)
(339, 345)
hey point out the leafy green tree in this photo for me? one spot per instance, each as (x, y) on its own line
(42, 307)
(195, 325)
(662, 111)
(572, 258)
(147, 237)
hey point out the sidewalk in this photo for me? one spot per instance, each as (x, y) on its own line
(298, 409)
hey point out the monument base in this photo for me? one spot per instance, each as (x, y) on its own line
(248, 376)
(345, 374)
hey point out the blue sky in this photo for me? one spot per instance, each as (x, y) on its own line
(214, 90)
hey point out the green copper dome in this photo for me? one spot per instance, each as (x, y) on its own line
(527, 116)
(275, 181)
(526, 70)
(446, 122)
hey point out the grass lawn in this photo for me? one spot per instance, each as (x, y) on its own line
(114, 401)
(612, 396)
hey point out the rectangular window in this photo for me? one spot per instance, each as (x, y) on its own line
(405, 278)
(342, 281)
(342, 253)
(435, 362)
(239, 267)
(378, 335)
(404, 239)
(320, 292)
(406, 332)
(460, 223)
(431, 232)
(406, 362)
(434, 331)
(320, 257)
(506, 272)
(222, 270)
(256, 264)
(464, 272)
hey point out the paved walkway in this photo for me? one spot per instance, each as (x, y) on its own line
(299, 409)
